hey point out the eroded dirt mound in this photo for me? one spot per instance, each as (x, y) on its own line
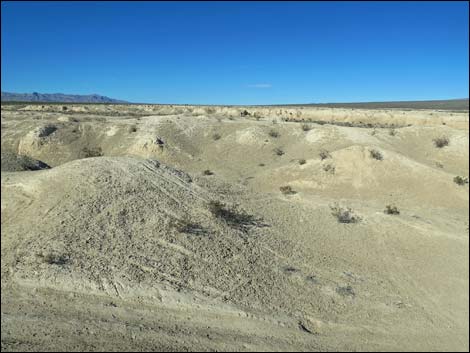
(130, 227)
(11, 162)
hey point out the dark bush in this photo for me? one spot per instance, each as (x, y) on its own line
(376, 155)
(287, 190)
(442, 141)
(324, 154)
(232, 217)
(91, 152)
(460, 180)
(391, 210)
(345, 215)
(274, 134)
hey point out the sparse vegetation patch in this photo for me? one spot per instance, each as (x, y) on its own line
(459, 180)
(441, 142)
(345, 215)
(186, 226)
(54, 259)
(324, 154)
(306, 127)
(391, 210)
(287, 190)
(345, 291)
(232, 217)
(329, 168)
(274, 134)
(376, 154)
(91, 152)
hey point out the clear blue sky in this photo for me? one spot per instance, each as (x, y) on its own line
(238, 53)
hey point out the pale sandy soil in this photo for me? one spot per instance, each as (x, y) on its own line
(117, 245)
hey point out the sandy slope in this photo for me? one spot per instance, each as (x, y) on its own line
(122, 250)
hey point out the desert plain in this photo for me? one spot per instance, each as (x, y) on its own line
(222, 228)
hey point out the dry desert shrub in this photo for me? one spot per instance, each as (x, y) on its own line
(344, 215)
(207, 172)
(391, 210)
(329, 168)
(216, 137)
(287, 190)
(234, 218)
(278, 151)
(302, 161)
(306, 127)
(184, 225)
(459, 180)
(324, 154)
(274, 134)
(132, 128)
(54, 259)
(441, 142)
(376, 155)
(345, 291)
(91, 152)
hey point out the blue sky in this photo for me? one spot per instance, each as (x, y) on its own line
(238, 52)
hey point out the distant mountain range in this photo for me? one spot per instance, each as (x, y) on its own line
(57, 97)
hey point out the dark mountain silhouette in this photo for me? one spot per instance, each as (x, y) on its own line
(57, 97)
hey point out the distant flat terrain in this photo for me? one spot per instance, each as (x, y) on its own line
(449, 104)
